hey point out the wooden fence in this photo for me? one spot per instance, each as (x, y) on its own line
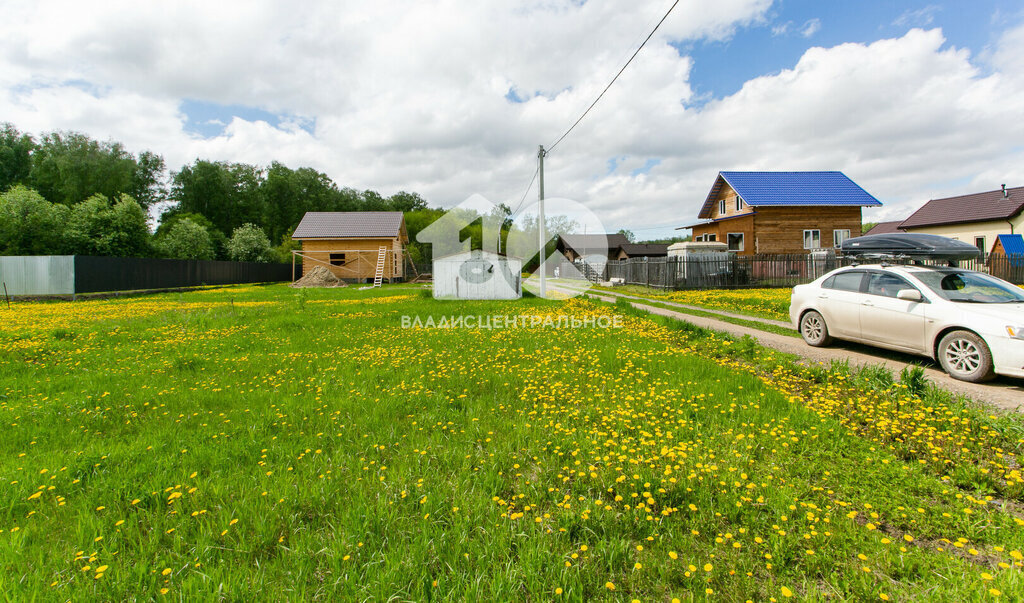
(732, 272)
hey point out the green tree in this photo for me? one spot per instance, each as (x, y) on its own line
(283, 251)
(288, 194)
(69, 167)
(628, 234)
(98, 227)
(406, 202)
(15, 156)
(168, 220)
(228, 194)
(248, 243)
(31, 225)
(415, 221)
(186, 240)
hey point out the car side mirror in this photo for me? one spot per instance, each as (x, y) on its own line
(909, 295)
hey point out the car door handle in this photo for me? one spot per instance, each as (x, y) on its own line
(822, 297)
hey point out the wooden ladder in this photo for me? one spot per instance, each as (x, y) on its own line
(378, 277)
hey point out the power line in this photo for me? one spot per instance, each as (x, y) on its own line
(525, 193)
(551, 147)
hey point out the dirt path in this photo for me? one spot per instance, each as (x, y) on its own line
(1004, 392)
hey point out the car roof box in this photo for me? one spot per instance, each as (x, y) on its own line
(910, 245)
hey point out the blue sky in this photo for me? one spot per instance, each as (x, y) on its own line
(721, 68)
(207, 119)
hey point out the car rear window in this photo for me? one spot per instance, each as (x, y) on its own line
(845, 281)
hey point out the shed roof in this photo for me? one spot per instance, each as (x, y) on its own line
(976, 207)
(592, 242)
(1013, 244)
(758, 189)
(351, 225)
(645, 249)
(885, 228)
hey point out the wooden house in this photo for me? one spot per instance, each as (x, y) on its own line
(353, 244)
(978, 218)
(781, 212)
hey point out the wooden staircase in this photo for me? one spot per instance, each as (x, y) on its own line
(590, 273)
(378, 276)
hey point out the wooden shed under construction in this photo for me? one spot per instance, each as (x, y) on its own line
(356, 246)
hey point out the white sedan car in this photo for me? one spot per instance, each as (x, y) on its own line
(972, 323)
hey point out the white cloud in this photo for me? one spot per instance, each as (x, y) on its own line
(811, 27)
(412, 96)
(921, 17)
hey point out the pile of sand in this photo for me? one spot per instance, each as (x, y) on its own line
(319, 276)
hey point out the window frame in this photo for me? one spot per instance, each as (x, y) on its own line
(728, 243)
(878, 273)
(983, 245)
(711, 237)
(830, 281)
(721, 207)
(739, 203)
(837, 244)
(809, 230)
(334, 261)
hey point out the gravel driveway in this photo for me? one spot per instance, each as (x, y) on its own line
(1004, 392)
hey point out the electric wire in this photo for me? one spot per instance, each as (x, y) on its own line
(551, 147)
(515, 213)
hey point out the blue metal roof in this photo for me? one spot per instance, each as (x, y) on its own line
(1013, 247)
(790, 188)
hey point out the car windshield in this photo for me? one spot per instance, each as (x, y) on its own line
(970, 287)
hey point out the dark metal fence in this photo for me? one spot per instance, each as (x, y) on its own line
(731, 271)
(97, 274)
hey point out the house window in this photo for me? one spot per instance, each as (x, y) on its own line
(812, 239)
(711, 237)
(979, 242)
(721, 207)
(739, 203)
(838, 236)
(735, 240)
(337, 259)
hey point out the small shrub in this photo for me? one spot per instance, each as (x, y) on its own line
(912, 377)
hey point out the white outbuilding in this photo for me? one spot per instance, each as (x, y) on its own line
(477, 274)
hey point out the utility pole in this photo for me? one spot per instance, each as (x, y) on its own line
(540, 223)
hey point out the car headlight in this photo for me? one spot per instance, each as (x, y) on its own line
(1015, 331)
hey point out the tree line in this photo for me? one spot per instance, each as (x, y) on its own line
(65, 193)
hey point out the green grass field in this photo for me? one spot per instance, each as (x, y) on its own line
(267, 443)
(760, 303)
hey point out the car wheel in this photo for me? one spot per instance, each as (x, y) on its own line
(814, 330)
(965, 356)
